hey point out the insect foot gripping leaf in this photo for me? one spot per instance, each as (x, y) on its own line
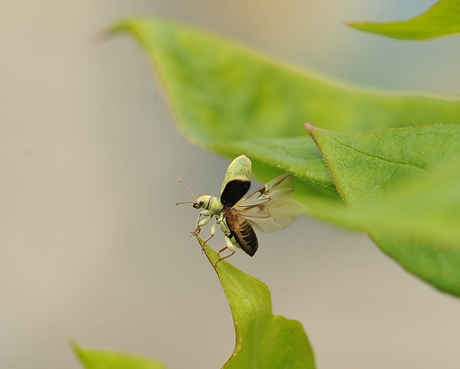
(268, 209)
(263, 340)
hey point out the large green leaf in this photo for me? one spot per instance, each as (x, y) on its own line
(263, 340)
(234, 101)
(443, 19)
(403, 186)
(96, 359)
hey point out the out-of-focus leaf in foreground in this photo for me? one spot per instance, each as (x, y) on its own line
(443, 19)
(234, 101)
(95, 359)
(263, 340)
(403, 186)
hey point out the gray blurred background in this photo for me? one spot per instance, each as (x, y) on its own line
(92, 247)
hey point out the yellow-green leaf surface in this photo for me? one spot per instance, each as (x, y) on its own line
(263, 340)
(96, 359)
(443, 19)
(403, 186)
(233, 101)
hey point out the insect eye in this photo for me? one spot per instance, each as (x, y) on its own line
(201, 203)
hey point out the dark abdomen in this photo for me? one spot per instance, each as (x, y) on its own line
(242, 230)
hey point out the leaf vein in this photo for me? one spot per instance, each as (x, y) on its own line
(379, 158)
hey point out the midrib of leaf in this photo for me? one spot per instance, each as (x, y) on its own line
(373, 156)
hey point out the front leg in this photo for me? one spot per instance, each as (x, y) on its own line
(213, 231)
(202, 223)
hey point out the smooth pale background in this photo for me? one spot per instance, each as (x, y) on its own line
(91, 245)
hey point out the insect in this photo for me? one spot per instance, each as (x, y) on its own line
(269, 209)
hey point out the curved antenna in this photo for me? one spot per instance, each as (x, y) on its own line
(191, 193)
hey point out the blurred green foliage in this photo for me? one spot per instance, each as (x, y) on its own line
(98, 359)
(231, 100)
(400, 184)
(442, 20)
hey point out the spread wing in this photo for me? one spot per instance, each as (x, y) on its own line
(234, 190)
(270, 209)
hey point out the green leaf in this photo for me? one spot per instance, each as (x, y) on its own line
(263, 340)
(94, 359)
(442, 20)
(233, 101)
(299, 156)
(403, 186)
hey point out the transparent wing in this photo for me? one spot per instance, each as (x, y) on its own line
(278, 188)
(273, 215)
(270, 209)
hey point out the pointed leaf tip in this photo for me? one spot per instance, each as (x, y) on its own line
(309, 127)
(98, 359)
(402, 186)
(441, 20)
(278, 341)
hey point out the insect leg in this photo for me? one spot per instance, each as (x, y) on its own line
(230, 246)
(202, 223)
(213, 231)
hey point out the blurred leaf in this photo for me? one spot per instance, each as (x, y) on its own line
(94, 359)
(263, 340)
(443, 19)
(403, 186)
(233, 101)
(299, 156)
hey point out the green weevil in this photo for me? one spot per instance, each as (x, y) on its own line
(269, 209)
